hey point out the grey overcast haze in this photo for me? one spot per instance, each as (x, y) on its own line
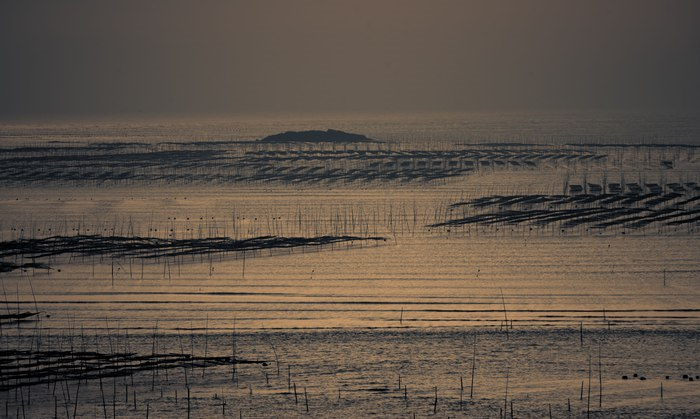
(169, 57)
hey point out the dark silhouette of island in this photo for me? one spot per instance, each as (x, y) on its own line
(317, 136)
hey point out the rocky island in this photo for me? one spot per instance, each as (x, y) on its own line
(317, 136)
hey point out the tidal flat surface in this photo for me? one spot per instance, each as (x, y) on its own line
(441, 278)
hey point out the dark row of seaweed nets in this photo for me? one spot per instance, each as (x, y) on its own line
(268, 163)
(593, 211)
(22, 368)
(473, 154)
(154, 248)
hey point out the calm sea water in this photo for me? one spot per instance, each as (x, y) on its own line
(347, 320)
(539, 127)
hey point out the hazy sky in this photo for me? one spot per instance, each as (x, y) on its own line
(217, 57)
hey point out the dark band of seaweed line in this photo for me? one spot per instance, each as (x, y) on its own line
(21, 368)
(633, 210)
(152, 248)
